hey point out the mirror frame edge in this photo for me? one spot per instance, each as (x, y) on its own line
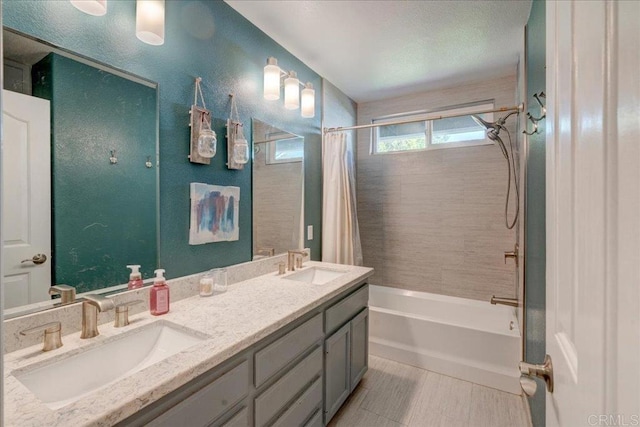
(1, 237)
(302, 237)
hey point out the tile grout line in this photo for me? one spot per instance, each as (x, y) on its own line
(381, 416)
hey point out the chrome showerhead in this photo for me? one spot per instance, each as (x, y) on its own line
(493, 129)
(485, 124)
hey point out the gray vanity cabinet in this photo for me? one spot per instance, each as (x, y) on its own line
(336, 369)
(359, 347)
(298, 376)
(209, 403)
(346, 349)
(241, 419)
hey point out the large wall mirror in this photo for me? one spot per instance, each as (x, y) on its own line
(278, 190)
(80, 175)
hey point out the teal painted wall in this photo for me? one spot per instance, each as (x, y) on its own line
(202, 38)
(103, 215)
(535, 252)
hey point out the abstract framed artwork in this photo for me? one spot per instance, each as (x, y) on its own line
(214, 213)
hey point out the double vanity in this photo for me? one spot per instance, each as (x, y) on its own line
(275, 349)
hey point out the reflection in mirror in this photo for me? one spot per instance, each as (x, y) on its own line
(278, 186)
(80, 174)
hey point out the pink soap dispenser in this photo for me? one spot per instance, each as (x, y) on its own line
(159, 294)
(135, 278)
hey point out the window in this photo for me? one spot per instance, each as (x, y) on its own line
(426, 134)
(285, 150)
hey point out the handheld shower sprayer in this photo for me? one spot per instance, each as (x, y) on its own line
(493, 131)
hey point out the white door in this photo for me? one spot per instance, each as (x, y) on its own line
(26, 189)
(593, 212)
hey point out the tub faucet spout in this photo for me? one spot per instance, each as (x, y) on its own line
(504, 301)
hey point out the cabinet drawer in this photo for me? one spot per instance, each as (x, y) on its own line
(315, 421)
(307, 404)
(209, 403)
(278, 354)
(338, 314)
(286, 388)
(241, 419)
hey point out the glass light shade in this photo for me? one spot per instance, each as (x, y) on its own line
(150, 21)
(240, 150)
(272, 80)
(92, 7)
(292, 91)
(308, 103)
(207, 142)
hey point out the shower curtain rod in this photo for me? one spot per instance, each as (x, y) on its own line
(443, 116)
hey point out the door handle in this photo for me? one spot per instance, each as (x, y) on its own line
(37, 259)
(529, 370)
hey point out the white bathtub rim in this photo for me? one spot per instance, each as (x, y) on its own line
(512, 333)
(438, 297)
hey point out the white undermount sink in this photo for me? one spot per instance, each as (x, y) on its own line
(63, 382)
(315, 275)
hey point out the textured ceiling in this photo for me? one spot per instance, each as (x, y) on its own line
(379, 49)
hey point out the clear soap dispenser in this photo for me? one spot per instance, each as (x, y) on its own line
(135, 278)
(159, 300)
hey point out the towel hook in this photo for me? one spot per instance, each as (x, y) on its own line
(535, 120)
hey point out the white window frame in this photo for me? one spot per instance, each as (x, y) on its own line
(463, 110)
(271, 152)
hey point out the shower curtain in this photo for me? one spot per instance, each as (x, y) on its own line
(340, 234)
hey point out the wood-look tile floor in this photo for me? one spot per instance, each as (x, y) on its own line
(392, 394)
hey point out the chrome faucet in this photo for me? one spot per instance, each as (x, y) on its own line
(90, 307)
(266, 251)
(52, 332)
(67, 293)
(122, 313)
(291, 259)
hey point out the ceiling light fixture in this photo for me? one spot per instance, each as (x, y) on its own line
(273, 76)
(150, 21)
(91, 7)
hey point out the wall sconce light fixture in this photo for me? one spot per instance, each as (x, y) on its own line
(149, 17)
(273, 76)
(272, 80)
(308, 108)
(150, 21)
(237, 145)
(91, 7)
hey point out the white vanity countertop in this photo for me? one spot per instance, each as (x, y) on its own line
(246, 313)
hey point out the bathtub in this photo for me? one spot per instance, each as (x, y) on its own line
(462, 338)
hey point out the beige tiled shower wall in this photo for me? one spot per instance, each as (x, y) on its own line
(433, 221)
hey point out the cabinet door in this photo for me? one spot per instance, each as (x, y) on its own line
(359, 347)
(336, 369)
